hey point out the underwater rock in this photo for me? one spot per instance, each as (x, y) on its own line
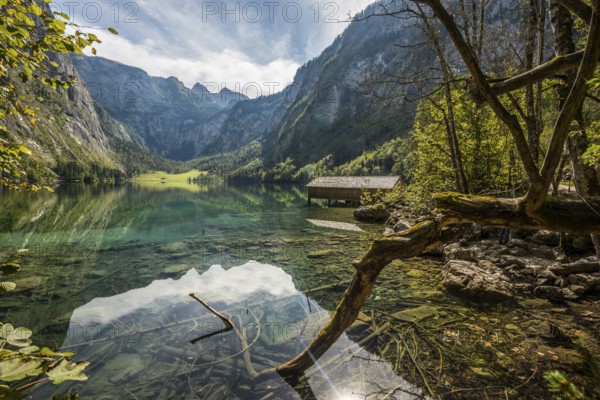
(9, 268)
(123, 367)
(29, 283)
(320, 253)
(176, 268)
(416, 314)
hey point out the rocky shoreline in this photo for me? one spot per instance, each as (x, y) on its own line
(481, 267)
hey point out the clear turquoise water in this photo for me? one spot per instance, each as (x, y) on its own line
(109, 269)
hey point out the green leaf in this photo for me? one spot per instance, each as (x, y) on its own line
(29, 349)
(113, 31)
(48, 353)
(62, 15)
(6, 287)
(24, 150)
(16, 369)
(17, 337)
(68, 371)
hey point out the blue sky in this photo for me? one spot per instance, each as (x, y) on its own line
(238, 44)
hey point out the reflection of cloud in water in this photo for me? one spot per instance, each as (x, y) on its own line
(139, 340)
(216, 285)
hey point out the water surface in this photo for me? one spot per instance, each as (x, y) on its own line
(109, 270)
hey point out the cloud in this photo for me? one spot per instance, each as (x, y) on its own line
(231, 42)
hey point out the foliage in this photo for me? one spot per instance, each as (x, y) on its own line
(323, 167)
(19, 358)
(29, 34)
(389, 158)
(12, 174)
(77, 171)
(281, 172)
(562, 387)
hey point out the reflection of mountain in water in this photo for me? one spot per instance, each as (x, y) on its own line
(139, 342)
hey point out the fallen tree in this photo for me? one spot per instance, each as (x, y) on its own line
(533, 211)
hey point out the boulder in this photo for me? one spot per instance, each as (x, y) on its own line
(547, 238)
(542, 251)
(552, 293)
(580, 243)
(589, 282)
(473, 282)
(372, 213)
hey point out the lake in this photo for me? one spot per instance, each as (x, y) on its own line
(109, 269)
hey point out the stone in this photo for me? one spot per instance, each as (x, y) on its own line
(552, 293)
(517, 243)
(468, 280)
(569, 295)
(29, 283)
(455, 251)
(415, 314)
(578, 290)
(362, 323)
(547, 238)
(320, 253)
(177, 268)
(589, 282)
(401, 225)
(372, 213)
(9, 268)
(388, 232)
(581, 243)
(542, 251)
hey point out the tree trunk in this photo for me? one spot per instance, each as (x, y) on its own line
(584, 176)
(455, 153)
(558, 215)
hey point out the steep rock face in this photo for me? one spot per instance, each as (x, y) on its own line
(330, 109)
(334, 106)
(67, 127)
(174, 121)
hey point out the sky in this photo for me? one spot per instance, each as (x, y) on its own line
(253, 47)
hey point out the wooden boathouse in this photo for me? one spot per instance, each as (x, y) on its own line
(349, 188)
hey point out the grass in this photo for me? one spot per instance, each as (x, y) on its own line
(164, 180)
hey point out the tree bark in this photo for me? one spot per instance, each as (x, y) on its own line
(566, 216)
(584, 176)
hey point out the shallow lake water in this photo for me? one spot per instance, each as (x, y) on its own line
(109, 269)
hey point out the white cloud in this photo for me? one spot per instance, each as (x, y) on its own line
(228, 68)
(199, 41)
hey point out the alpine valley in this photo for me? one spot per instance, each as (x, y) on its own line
(120, 121)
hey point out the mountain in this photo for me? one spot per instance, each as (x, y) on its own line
(124, 119)
(170, 119)
(67, 129)
(336, 104)
(332, 107)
